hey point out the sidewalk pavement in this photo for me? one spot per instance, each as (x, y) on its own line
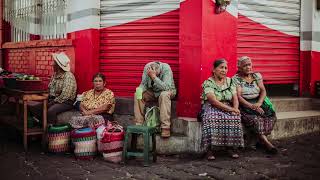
(298, 158)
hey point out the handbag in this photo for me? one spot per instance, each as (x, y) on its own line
(269, 103)
(110, 142)
(152, 118)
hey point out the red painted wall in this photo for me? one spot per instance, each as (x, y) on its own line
(190, 57)
(34, 57)
(305, 72)
(315, 66)
(309, 68)
(204, 37)
(219, 32)
(86, 47)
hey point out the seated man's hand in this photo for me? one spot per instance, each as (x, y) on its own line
(151, 73)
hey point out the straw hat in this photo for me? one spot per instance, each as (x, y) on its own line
(62, 60)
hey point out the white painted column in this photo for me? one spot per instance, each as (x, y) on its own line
(83, 14)
(35, 17)
(315, 28)
(310, 26)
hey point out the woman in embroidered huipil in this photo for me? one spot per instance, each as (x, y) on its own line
(256, 114)
(221, 123)
(97, 105)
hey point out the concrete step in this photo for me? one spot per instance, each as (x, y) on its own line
(289, 124)
(282, 104)
(286, 104)
(175, 144)
(125, 106)
(295, 117)
(296, 123)
(316, 104)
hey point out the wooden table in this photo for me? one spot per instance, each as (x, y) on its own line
(25, 97)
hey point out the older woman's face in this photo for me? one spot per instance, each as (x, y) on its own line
(98, 83)
(221, 71)
(246, 67)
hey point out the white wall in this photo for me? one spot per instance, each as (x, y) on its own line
(83, 14)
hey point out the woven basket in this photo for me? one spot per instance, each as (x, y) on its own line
(84, 141)
(111, 143)
(59, 138)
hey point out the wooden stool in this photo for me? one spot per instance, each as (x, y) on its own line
(146, 132)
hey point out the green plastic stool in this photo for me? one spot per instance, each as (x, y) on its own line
(147, 132)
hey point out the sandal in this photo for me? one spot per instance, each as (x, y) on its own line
(272, 150)
(210, 156)
(233, 154)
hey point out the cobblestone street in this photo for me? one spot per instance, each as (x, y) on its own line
(298, 159)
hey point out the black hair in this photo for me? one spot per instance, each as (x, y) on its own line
(102, 76)
(217, 62)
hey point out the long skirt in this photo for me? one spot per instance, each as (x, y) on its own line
(220, 128)
(258, 123)
(80, 121)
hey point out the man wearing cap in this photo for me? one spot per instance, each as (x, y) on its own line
(62, 89)
(157, 84)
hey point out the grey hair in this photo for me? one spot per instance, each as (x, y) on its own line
(217, 62)
(156, 66)
(242, 59)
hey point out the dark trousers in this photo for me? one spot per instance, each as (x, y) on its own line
(54, 109)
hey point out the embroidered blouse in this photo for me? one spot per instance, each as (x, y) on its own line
(91, 101)
(222, 93)
(249, 90)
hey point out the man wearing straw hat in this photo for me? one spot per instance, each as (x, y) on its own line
(62, 90)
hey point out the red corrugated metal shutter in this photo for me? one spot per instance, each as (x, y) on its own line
(134, 33)
(268, 32)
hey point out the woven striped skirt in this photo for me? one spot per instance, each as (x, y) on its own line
(257, 123)
(220, 128)
(80, 121)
